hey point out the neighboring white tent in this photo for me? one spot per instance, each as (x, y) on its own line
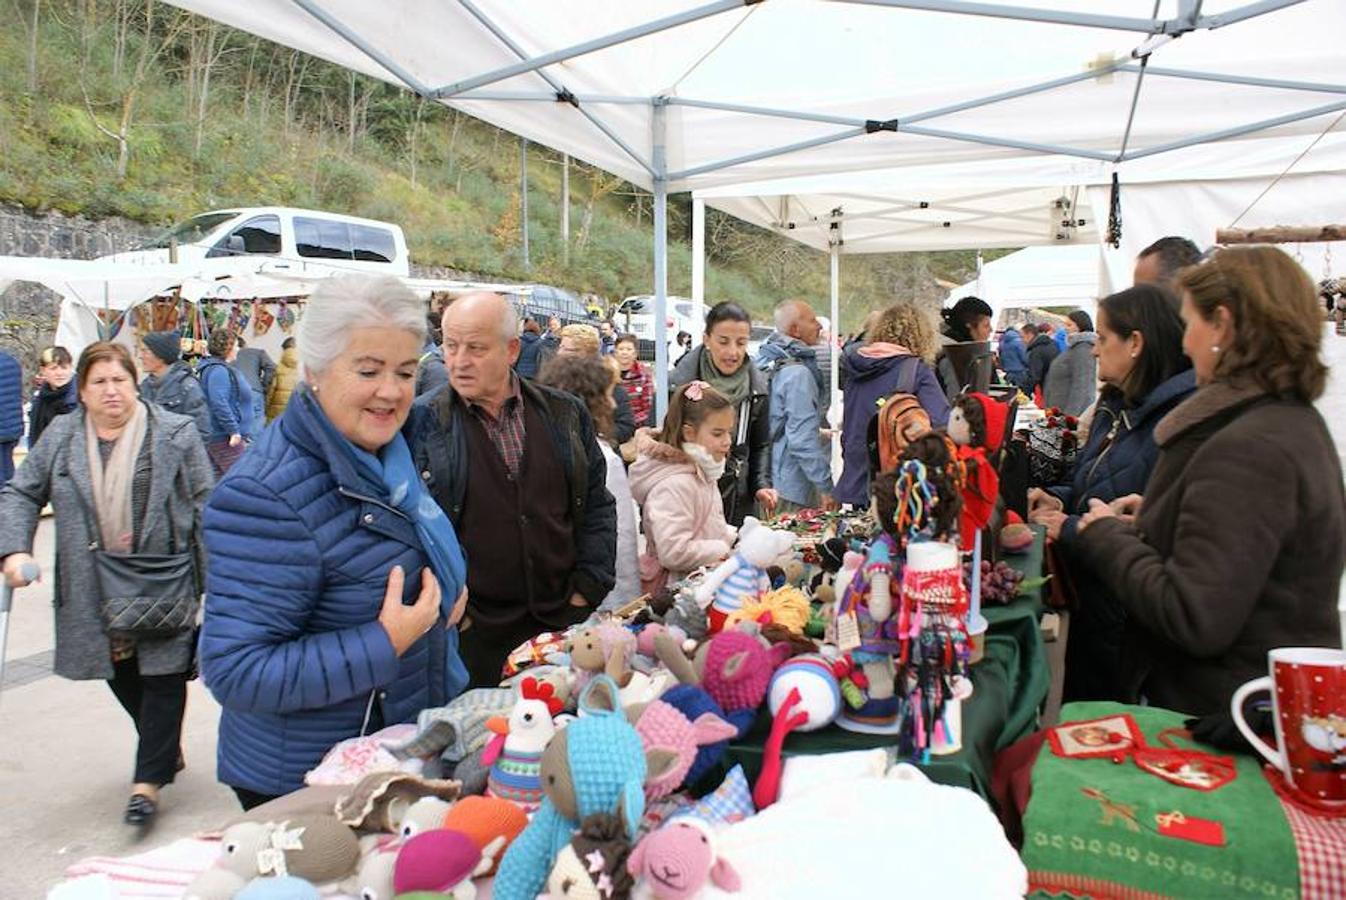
(1035, 277)
(678, 95)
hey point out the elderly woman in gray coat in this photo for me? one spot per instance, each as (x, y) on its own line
(133, 478)
(1072, 381)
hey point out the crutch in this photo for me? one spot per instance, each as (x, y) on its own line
(30, 571)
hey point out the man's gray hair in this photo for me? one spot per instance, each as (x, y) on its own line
(786, 312)
(509, 322)
(346, 302)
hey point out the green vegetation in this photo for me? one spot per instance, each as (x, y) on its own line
(136, 109)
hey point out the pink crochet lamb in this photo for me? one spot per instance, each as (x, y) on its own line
(675, 862)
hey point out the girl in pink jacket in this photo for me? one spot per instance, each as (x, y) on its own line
(674, 479)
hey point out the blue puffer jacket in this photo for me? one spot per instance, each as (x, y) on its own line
(11, 398)
(291, 645)
(1121, 452)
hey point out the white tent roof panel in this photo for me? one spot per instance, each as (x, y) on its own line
(845, 62)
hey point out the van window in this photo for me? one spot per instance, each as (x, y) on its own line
(373, 244)
(259, 235)
(192, 231)
(322, 238)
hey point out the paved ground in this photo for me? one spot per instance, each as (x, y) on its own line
(66, 747)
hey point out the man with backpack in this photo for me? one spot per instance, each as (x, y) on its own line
(229, 397)
(801, 465)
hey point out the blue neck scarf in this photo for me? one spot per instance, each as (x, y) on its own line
(394, 470)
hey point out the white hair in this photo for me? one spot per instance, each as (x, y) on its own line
(787, 311)
(346, 302)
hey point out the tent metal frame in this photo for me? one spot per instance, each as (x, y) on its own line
(1157, 31)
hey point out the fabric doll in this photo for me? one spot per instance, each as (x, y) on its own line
(977, 426)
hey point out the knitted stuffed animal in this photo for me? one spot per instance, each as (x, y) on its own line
(515, 753)
(675, 862)
(606, 648)
(693, 702)
(440, 860)
(593, 865)
(734, 667)
(317, 848)
(664, 727)
(491, 823)
(596, 764)
(742, 577)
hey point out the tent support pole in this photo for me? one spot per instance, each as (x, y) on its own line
(359, 43)
(660, 261)
(531, 64)
(1314, 86)
(554, 84)
(698, 259)
(834, 357)
(1213, 136)
(1006, 142)
(767, 154)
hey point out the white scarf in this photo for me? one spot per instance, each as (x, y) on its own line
(112, 484)
(711, 468)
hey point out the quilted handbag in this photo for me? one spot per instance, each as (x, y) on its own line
(144, 594)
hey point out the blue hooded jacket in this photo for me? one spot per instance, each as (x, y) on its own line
(800, 458)
(229, 397)
(1013, 356)
(300, 549)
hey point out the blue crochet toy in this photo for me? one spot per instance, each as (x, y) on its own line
(596, 764)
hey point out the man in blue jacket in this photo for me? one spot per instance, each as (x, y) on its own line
(1014, 356)
(229, 397)
(11, 413)
(801, 466)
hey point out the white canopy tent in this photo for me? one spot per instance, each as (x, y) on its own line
(677, 95)
(1037, 276)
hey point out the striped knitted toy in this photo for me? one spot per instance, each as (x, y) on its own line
(596, 764)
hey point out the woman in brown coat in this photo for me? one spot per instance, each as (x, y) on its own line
(1238, 544)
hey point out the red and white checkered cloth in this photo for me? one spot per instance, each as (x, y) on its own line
(1320, 839)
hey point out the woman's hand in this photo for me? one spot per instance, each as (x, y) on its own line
(1041, 501)
(459, 609)
(407, 624)
(1097, 510)
(1128, 507)
(235, 440)
(768, 498)
(1053, 519)
(15, 563)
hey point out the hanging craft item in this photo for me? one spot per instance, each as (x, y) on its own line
(263, 319)
(1113, 737)
(164, 313)
(218, 315)
(242, 316)
(1185, 768)
(285, 316)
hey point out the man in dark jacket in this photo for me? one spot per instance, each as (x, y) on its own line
(518, 469)
(169, 383)
(1013, 356)
(257, 366)
(530, 350)
(1041, 351)
(11, 413)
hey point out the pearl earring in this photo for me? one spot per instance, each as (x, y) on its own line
(1215, 348)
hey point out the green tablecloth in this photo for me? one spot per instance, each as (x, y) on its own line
(1009, 686)
(1069, 851)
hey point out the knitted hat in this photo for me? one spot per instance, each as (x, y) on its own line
(164, 344)
(997, 414)
(436, 860)
(484, 819)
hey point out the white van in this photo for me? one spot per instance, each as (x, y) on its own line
(280, 239)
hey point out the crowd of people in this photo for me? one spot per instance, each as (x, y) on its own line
(431, 493)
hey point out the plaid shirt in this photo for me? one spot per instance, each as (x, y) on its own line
(506, 431)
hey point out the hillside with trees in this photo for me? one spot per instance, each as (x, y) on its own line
(137, 109)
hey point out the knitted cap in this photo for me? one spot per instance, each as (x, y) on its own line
(997, 414)
(164, 344)
(435, 861)
(484, 819)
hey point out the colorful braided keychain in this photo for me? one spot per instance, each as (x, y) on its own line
(916, 499)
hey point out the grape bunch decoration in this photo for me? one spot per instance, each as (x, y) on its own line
(1000, 582)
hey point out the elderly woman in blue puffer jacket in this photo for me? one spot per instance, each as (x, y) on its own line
(335, 583)
(1145, 375)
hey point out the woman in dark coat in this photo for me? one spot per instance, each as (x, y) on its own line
(722, 361)
(1239, 543)
(1145, 375)
(967, 321)
(56, 396)
(130, 476)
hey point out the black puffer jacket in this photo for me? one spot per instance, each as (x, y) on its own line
(748, 469)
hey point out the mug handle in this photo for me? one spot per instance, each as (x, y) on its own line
(1264, 683)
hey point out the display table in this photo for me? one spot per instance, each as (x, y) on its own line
(1073, 847)
(1009, 686)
